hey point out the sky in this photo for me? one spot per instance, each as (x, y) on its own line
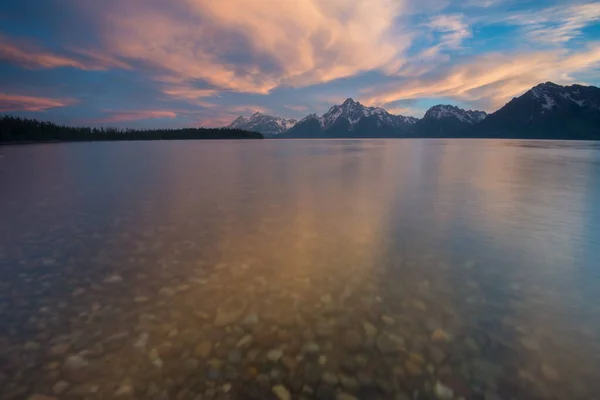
(181, 63)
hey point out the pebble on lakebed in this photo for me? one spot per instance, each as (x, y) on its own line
(228, 334)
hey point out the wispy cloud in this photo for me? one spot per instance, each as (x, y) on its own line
(27, 55)
(452, 29)
(490, 80)
(555, 25)
(482, 3)
(12, 103)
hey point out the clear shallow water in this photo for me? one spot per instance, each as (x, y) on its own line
(373, 268)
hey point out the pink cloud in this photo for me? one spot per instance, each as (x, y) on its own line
(10, 103)
(294, 43)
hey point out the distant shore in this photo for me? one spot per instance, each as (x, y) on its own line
(15, 130)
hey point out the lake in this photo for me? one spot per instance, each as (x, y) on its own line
(329, 269)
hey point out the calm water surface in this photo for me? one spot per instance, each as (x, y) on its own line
(370, 269)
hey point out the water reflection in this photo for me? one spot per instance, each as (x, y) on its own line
(373, 269)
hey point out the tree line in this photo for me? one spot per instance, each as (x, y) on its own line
(23, 130)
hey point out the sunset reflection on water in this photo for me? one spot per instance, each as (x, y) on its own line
(366, 268)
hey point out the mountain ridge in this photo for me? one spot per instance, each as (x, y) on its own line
(547, 110)
(268, 125)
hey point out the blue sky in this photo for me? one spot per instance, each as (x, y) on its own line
(175, 63)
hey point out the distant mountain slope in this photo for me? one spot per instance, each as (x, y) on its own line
(547, 111)
(262, 123)
(446, 121)
(351, 119)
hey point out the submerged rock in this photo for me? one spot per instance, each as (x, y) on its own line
(234, 356)
(59, 387)
(41, 397)
(203, 349)
(349, 383)
(389, 343)
(113, 279)
(345, 396)
(330, 378)
(76, 368)
(250, 320)
(59, 350)
(310, 348)
(245, 342)
(440, 336)
(352, 340)
(443, 392)
(370, 330)
(230, 316)
(213, 370)
(549, 373)
(281, 392)
(274, 355)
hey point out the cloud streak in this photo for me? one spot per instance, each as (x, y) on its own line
(27, 55)
(489, 81)
(13, 103)
(555, 25)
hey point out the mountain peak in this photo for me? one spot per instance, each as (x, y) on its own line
(239, 120)
(442, 111)
(262, 123)
(349, 101)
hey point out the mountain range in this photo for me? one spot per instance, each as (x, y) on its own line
(261, 123)
(546, 111)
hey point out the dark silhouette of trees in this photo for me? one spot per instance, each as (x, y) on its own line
(22, 130)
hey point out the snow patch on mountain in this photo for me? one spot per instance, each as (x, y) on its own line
(549, 102)
(567, 96)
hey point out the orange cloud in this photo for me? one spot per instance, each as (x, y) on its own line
(11, 103)
(29, 56)
(126, 116)
(490, 80)
(274, 42)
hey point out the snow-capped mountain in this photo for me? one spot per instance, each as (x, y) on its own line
(352, 111)
(443, 111)
(547, 111)
(352, 119)
(262, 123)
(550, 96)
(446, 121)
